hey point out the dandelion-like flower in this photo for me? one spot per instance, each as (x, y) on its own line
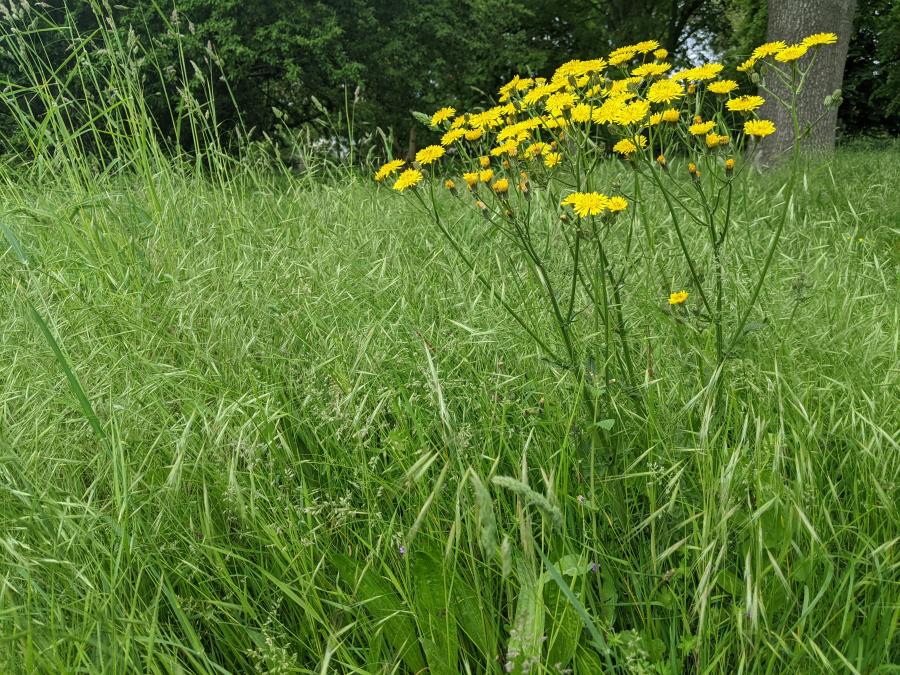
(759, 128)
(817, 39)
(551, 159)
(744, 103)
(650, 69)
(586, 204)
(430, 154)
(767, 49)
(678, 298)
(452, 136)
(471, 179)
(722, 86)
(791, 53)
(500, 186)
(665, 91)
(442, 116)
(486, 175)
(616, 204)
(407, 179)
(701, 128)
(389, 169)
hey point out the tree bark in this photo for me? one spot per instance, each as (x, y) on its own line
(791, 21)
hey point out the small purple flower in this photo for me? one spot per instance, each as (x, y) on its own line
(402, 549)
(581, 499)
(595, 567)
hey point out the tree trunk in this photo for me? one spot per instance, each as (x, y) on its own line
(791, 21)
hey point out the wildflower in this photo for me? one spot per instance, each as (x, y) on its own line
(402, 550)
(729, 166)
(626, 146)
(556, 103)
(508, 148)
(586, 204)
(678, 298)
(581, 113)
(450, 184)
(616, 204)
(661, 160)
(389, 169)
(817, 39)
(485, 175)
(525, 187)
(452, 136)
(645, 46)
(670, 115)
(471, 179)
(633, 113)
(442, 116)
(551, 159)
(791, 53)
(535, 149)
(704, 72)
(407, 179)
(483, 208)
(746, 65)
(715, 140)
(650, 69)
(692, 89)
(430, 154)
(621, 55)
(501, 186)
(665, 91)
(759, 128)
(744, 103)
(701, 128)
(459, 121)
(474, 134)
(767, 49)
(722, 86)
(661, 54)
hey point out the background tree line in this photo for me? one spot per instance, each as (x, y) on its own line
(279, 63)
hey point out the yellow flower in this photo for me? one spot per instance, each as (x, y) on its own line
(408, 179)
(581, 113)
(645, 46)
(471, 179)
(450, 184)
(627, 146)
(508, 148)
(705, 72)
(661, 54)
(458, 121)
(586, 204)
(744, 103)
(442, 115)
(389, 169)
(501, 186)
(616, 204)
(715, 140)
(670, 115)
(485, 175)
(558, 102)
(759, 128)
(678, 298)
(767, 49)
(633, 113)
(729, 165)
(722, 86)
(621, 55)
(791, 53)
(700, 128)
(665, 91)
(535, 149)
(650, 69)
(484, 162)
(430, 154)
(474, 134)
(551, 159)
(817, 39)
(746, 65)
(452, 136)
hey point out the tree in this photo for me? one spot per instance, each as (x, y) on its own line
(791, 21)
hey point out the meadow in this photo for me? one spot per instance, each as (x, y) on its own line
(253, 422)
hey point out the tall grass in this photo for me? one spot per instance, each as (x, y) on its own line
(257, 424)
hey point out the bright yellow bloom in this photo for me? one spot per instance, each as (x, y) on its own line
(729, 165)
(389, 169)
(508, 148)
(661, 54)
(551, 159)
(670, 115)
(650, 69)
(705, 72)
(408, 179)
(450, 184)
(759, 128)
(442, 115)
(474, 134)
(626, 146)
(665, 91)
(744, 103)
(746, 65)
(645, 46)
(471, 179)
(767, 49)
(633, 113)
(452, 136)
(701, 128)
(616, 204)
(620, 56)
(817, 39)
(430, 154)
(582, 113)
(586, 204)
(535, 149)
(791, 53)
(722, 86)
(678, 298)
(501, 186)
(459, 121)
(484, 162)
(485, 175)
(558, 102)
(715, 140)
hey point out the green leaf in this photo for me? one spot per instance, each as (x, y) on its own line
(437, 622)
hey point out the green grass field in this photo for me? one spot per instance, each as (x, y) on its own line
(260, 424)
